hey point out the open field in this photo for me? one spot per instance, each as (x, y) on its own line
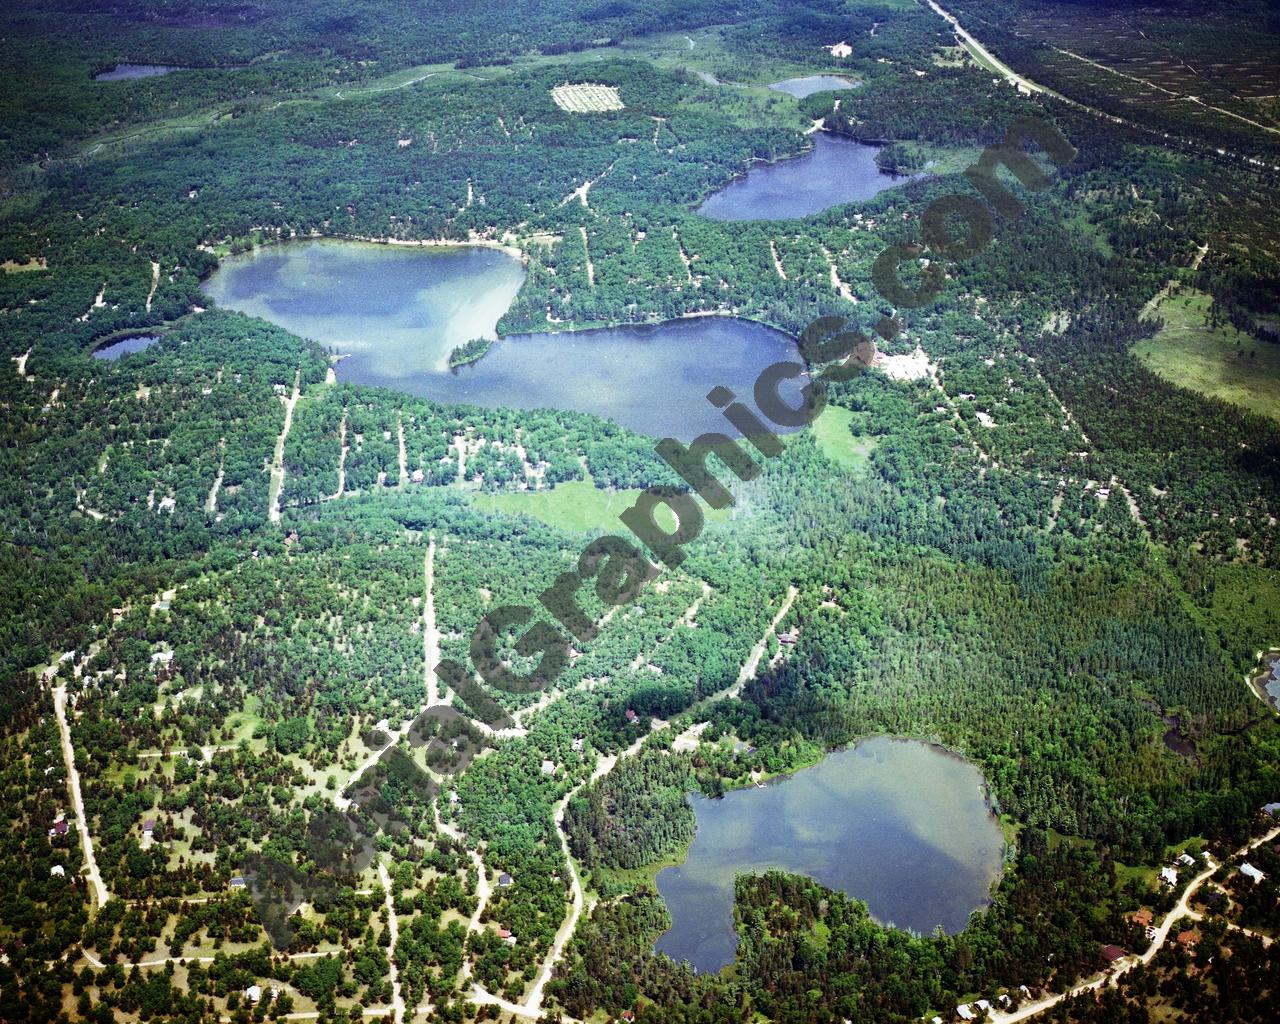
(577, 506)
(586, 98)
(831, 431)
(14, 267)
(1221, 362)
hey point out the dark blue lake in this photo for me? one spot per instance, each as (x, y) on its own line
(837, 171)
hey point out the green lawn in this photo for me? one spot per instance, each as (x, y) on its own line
(831, 431)
(577, 506)
(1222, 362)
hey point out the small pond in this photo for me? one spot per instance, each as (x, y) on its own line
(123, 72)
(904, 826)
(810, 84)
(123, 346)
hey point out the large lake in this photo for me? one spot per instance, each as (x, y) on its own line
(837, 171)
(398, 311)
(899, 824)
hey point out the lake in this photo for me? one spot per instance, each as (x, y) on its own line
(837, 171)
(398, 311)
(902, 825)
(122, 72)
(122, 347)
(810, 84)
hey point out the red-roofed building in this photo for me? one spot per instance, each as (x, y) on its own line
(1110, 954)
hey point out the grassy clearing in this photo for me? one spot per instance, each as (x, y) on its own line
(14, 267)
(837, 443)
(1221, 362)
(578, 506)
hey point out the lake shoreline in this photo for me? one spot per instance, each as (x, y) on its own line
(882, 819)
(812, 150)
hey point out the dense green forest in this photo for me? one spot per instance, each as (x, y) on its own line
(241, 591)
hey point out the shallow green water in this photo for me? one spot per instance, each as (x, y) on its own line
(902, 825)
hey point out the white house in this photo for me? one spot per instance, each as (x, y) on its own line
(1169, 876)
(58, 871)
(253, 993)
(1249, 871)
(1186, 859)
(965, 1013)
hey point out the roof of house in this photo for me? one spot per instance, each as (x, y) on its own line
(1112, 953)
(60, 827)
(149, 824)
(1142, 917)
(1188, 938)
(505, 879)
(1250, 871)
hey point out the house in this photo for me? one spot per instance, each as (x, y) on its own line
(788, 638)
(578, 744)
(965, 1013)
(548, 767)
(1005, 1001)
(162, 657)
(1142, 918)
(505, 881)
(503, 933)
(1272, 809)
(1169, 876)
(58, 871)
(631, 715)
(1188, 939)
(983, 1005)
(1249, 871)
(841, 50)
(253, 993)
(936, 1020)
(1110, 954)
(1187, 859)
(238, 882)
(148, 826)
(60, 827)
